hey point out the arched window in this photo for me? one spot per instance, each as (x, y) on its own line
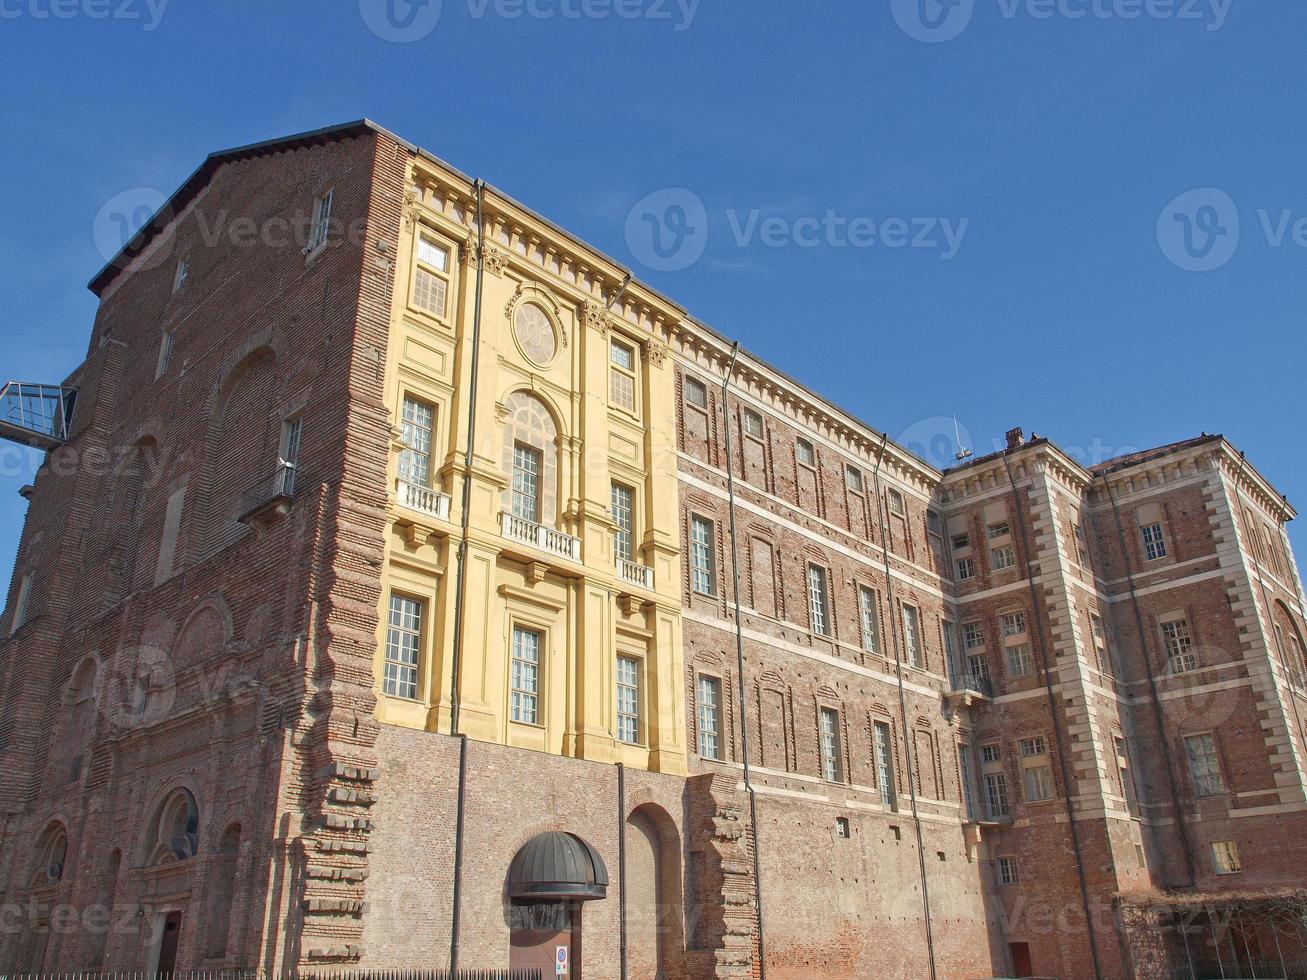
(531, 460)
(51, 852)
(174, 832)
(243, 446)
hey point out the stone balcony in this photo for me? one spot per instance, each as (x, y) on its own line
(424, 500)
(636, 574)
(542, 538)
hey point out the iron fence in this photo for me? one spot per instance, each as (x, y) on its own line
(471, 974)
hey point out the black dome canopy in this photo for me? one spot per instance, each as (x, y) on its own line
(557, 865)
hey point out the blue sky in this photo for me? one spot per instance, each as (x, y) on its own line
(1052, 138)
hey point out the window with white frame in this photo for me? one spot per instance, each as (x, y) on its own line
(1014, 623)
(1180, 655)
(1007, 871)
(623, 513)
(752, 423)
(1036, 772)
(182, 274)
(990, 753)
(526, 482)
(321, 221)
(1225, 857)
(696, 393)
(832, 768)
(966, 569)
(912, 636)
(1204, 764)
(884, 763)
(703, 570)
(165, 353)
(896, 504)
(525, 681)
(292, 430)
(403, 647)
(710, 717)
(1004, 556)
(621, 375)
(818, 600)
(973, 636)
(978, 666)
(996, 801)
(853, 478)
(1019, 662)
(1154, 541)
(805, 453)
(998, 529)
(628, 700)
(415, 433)
(431, 274)
(870, 618)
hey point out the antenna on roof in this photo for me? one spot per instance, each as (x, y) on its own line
(963, 452)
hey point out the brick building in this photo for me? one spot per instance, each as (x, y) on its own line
(411, 587)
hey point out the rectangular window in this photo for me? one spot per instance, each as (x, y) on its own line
(998, 529)
(288, 465)
(991, 753)
(403, 643)
(1014, 624)
(870, 619)
(831, 766)
(1154, 541)
(1180, 654)
(431, 277)
(24, 599)
(961, 541)
(1225, 857)
(165, 353)
(1004, 557)
(752, 424)
(1204, 765)
(973, 637)
(623, 509)
(805, 453)
(977, 667)
(1007, 871)
(996, 804)
(1036, 773)
(703, 573)
(710, 717)
(966, 569)
(525, 693)
(912, 636)
(818, 602)
(628, 700)
(321, 221)
(896, 505)
(884, 764)
(696, 393)
(1126, 780)
(950, 645)
(1019, 662)
(526, 483)
(621, 376)
(1082, 545)
(853, 478)
(182, 274)
(415, 433)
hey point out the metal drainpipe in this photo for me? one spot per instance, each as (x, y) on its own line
(1162, 739)
(739, 658)
(1063, 746)
(621, 864)
(909, 741)
(1270, 609)
(461, 585)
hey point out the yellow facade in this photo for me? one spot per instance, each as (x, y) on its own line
(560, 418)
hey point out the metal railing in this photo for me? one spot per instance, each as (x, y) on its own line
(279, 488)
(636, 574)
(972, 680)
(36, 414)
(422, 499)
(538, 536)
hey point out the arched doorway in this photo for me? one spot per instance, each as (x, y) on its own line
(549, 880)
